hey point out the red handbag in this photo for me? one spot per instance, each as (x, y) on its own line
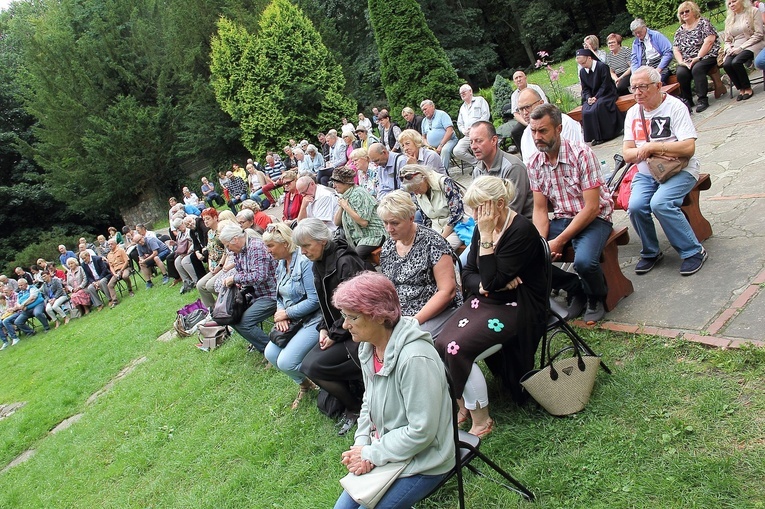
(622, 197)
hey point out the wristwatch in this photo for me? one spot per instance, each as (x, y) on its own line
(487, 245)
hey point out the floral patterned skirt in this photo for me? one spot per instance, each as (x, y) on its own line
(80, 298)
(477, 325)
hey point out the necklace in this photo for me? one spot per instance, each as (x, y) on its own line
(377, 358)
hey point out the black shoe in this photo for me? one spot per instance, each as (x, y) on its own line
(349, 421)
(703, 104)
(596, 142)
(596, 310)
(692, 264)
(646, 264)
(576, 305)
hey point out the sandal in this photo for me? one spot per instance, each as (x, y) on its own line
(305, 387)
(485, 431)
(462, 418)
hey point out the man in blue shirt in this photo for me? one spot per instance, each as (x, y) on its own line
(389, 166)
(438, 128)
(650, 48)
(30, 302)
(65, 255)
(151, 252)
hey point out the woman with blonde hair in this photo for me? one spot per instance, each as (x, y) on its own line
(366, 171)
(297, 304)
(419, 263)
(439, 199)
(696, 46)
(505, 281)
(414, 148)
(744, 38)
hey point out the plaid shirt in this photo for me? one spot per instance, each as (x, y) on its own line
(256, 267)
(577, 171)
(236, 187)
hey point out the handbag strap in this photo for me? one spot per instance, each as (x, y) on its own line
(648, 130)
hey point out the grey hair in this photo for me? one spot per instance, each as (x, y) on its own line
(311, 148)
(653, 74)
(637, 23)
(246, 214)
(298, 150)
(177, 221)
(427, 102)
(311, 229)
(229, 232)
(547, 110)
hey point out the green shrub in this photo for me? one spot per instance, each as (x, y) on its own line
(502, 91)
(45, 247)
(413, 63)
(658, 13)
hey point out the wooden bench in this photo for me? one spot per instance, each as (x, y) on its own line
(618, 284)
(691, 209)
(625, 102)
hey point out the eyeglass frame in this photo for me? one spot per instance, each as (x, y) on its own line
(643, 87)
(528, 107)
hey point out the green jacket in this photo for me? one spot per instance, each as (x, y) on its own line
(408, 404)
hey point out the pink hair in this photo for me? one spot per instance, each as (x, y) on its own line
(371, 294)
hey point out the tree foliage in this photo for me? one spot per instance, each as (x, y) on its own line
(121, 92)
(284, 82)
(657, 13)
(413, 64)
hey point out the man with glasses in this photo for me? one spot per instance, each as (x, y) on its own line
(521, 83)
(389, 166)
(672, 135)
(319, 201)
(651, 48)
(527, 101)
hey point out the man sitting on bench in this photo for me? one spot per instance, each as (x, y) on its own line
(568, 176)
(672, 135)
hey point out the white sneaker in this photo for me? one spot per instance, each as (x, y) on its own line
(15, 342)
(5, 345)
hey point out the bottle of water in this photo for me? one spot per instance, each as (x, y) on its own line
(605, 170)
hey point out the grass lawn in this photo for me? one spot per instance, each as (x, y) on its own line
(676, 425)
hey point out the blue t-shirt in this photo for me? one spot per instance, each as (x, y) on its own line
(435, 128)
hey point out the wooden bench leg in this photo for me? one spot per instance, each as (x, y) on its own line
(618, 284)
(698, 222)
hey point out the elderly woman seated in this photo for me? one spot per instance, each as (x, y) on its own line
(297, 306)
(184, 249)
(618, 60)
(333, 363)
(439, 199)
(416, 152)
(255, 273)
(357, 213)
(505, 277)
(695, 48)
(406, 414)
(419, 263)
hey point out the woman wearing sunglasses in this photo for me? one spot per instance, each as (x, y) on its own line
(695, 47)
(439, 199)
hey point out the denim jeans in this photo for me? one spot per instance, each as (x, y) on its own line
(664, 200)
(289, 358)
(21, 318)
(588, 245)
(759, 60)
(261, 308)
(405, 492)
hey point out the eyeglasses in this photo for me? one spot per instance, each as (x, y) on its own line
(409, 176)
(528, 107)
(287, 182)
(643, 88)
(684, 12)
(349, 317)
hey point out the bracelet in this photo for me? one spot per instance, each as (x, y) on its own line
(663, 148)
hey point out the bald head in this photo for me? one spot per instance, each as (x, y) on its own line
(528, 99)
(378, 154)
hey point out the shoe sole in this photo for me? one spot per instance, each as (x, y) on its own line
(690, 273)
